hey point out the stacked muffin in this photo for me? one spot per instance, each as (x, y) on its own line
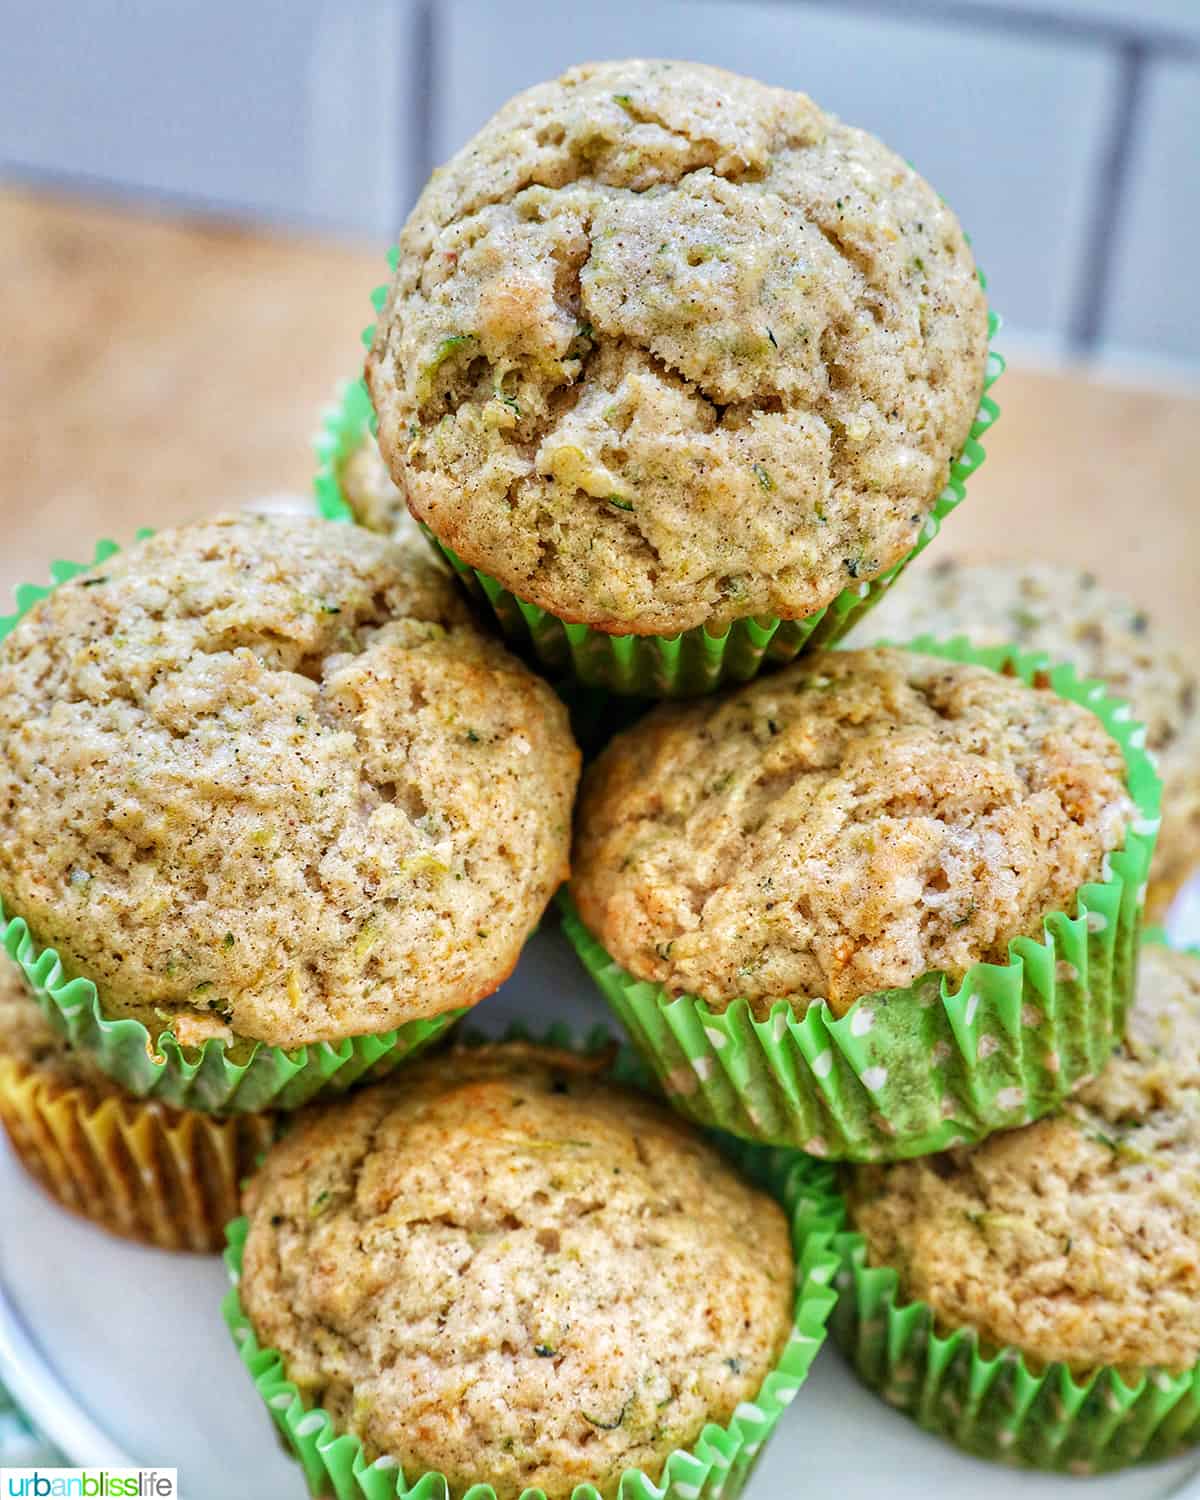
(677, 372)
(273, 812)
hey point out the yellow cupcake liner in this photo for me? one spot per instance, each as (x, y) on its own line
(165, 1177)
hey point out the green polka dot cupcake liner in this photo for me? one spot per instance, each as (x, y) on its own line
(991, 1401)
(217, 1076)
(716, 1467)
(909, 1071)
(647, 666)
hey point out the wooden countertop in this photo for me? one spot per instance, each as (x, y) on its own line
(156, 370)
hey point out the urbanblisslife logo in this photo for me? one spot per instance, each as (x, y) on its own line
(89, 1484)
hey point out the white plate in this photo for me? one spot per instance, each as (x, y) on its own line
(120, 1355)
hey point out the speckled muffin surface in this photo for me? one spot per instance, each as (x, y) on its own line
(667, 347)
(264, 779)
(1068, 614)
(29, 1040)
(844, 826)
(507, 1269)
(1073, 1239)
(371, 493)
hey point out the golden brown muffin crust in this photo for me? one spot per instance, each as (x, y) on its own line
(666, 347)
(264, 778)
(508, 1269)
(1074, 1239)
(843, 826)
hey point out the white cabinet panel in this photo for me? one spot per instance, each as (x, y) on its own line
(1007, 129)
(1155, 302)
(284, 109)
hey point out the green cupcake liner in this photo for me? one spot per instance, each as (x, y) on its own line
(201, 1078)
(989, 1401)
(647, 666)
(720, 1462)
(909, 1071)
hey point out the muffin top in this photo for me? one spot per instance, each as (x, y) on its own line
(371, 493)
(843, 826)
(667, 347)
(262, 778)
(28, 1038)
(505, 1267)
(1073, 1239)
(1062, 611)
(1067, 614)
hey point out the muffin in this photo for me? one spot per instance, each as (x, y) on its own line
(667, 349)
(511, 1269)
(167, 1177)
(1070, 616)
(1069, 1245)
(371, 493)
(847, 840)
(264, 781)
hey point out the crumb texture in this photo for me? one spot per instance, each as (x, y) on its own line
(1074, 1239)
(667, 347)
(265, 779)
(843, 826)
(1069, 615)
(371, 493)
(28, 1038)
(505, 1268)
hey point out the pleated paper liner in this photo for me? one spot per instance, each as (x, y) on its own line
(909, 1071)
(647, 666)
(718, 1464)
(991, 1401)
(249, 1076)
(137, 1168)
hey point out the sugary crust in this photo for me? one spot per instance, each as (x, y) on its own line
(1074, 1239)
(265, 779)
(667, 347)
(843, 826)
(1069, 615)
(505, 1268)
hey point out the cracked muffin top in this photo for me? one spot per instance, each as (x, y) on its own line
(1069, 615)
(1073, 1239)
(843, 826)
(506, 1267)
(263, 779)
(667, 347)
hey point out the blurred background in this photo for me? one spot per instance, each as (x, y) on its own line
(197, 196)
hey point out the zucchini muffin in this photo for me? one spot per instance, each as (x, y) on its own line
(1074, 1239)
(666, 347)
(1070, 616)
(137, 1168)
(842, 827)
(264, 779)
(509, 1269)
